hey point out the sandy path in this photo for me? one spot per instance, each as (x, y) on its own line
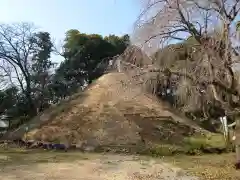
(110, 167)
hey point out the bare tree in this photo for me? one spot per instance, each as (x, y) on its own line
(174, 20)
(207, 73)
(16, 52)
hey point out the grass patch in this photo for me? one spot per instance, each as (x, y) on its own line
(195, 145)
(163, 150)
(208, 141)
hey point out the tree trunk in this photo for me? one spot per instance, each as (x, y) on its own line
(32, 106)
(28, 91)
(237, 142)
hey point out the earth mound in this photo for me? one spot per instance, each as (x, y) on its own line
(111, 111)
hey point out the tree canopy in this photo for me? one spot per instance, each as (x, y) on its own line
(31, 81)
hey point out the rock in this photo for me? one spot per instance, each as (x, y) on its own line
(19, 142)
(79, 145)
(72, 147)
(39, 144)
(29, 144)
(33, 145)
(89, 148)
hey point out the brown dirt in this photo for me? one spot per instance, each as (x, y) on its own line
(113, 110)
(208, 167)
(18, 163)
(95, 167)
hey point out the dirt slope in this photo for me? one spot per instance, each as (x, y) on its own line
(111, 111)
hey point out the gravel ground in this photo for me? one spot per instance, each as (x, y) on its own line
(100, 167)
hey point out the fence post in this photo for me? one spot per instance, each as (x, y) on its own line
(225, 128)
(119, 65)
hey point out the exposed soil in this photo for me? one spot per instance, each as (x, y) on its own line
(95, 167)
(113, 110)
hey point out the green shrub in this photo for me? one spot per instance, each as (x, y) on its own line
(195, 145)
(163, 150)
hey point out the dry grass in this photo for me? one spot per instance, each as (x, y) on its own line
(209, 167)
(113, 110)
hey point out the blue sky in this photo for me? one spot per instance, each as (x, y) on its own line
(57, 16)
